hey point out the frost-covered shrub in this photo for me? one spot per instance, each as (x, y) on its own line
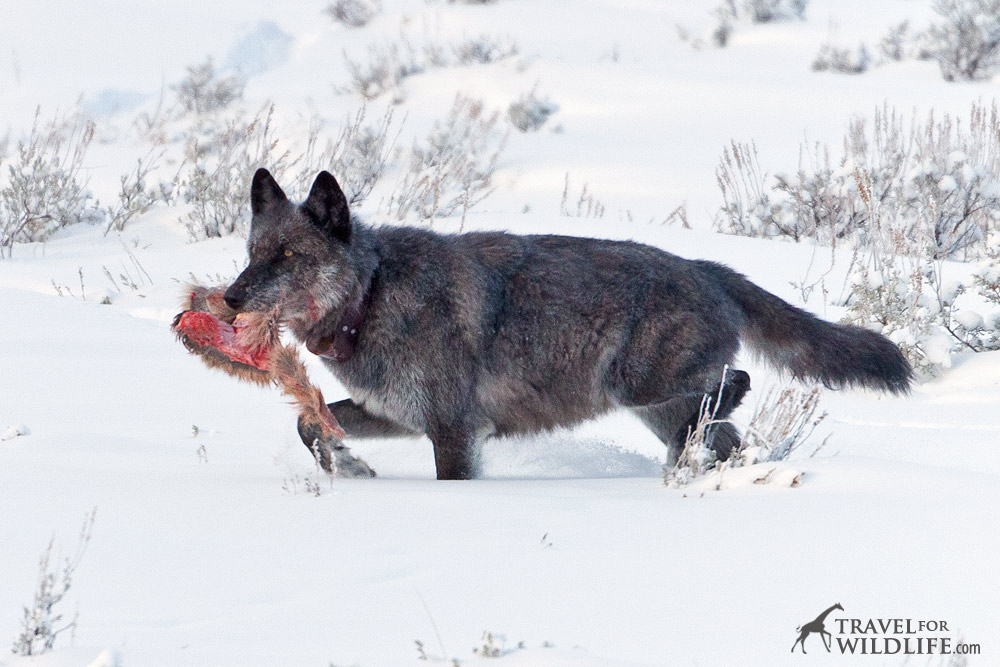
(898, 288)
(221, 158)
(357, 157)
(723, 30)
(134, 197)
(986, 279)
(41, 190)
(204, 90)
(909, 197)
(222, 163)
(731, 12)
(767, 11)
(816, 202)
(483, 50)
(965, 41)
(529, 112)
(452, 169)
(843, 60)
(895, 44)
(746, 202)
(939, 178)
(353, 13)
(388, 64)
(936, 181)
(696, 457)
(781, 424)
(41, 622)
(906, 300)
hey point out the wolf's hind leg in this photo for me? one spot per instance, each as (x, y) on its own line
(719, 404)
(664, 420)
(672, 420)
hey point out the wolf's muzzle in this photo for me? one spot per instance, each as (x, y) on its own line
(235, 297)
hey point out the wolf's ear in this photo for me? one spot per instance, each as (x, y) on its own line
(264, 191)
(327, 206)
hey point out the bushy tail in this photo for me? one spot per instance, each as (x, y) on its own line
(837, 355)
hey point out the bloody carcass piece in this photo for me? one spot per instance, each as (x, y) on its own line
(248, 346)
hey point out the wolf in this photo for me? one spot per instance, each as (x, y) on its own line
(462, 337)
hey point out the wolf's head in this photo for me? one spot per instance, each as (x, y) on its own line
(299, 254)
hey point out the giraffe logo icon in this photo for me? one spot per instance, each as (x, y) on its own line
(816, 625)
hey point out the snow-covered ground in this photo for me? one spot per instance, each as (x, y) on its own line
(215, 542)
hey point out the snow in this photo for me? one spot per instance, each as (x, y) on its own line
(947, 184)
(211, 545)
(969, 320)
(15, 431)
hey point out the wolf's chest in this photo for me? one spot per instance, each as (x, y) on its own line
(394, 391)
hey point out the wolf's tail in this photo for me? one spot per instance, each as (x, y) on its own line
(837, 355)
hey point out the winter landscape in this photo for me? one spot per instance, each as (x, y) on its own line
(844, 155)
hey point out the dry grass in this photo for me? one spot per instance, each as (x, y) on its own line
(781, 424)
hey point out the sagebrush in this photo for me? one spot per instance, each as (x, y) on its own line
(353, 13)
(43, 188)
(782, 422)
(451, 170)
(358, 155)
(898, 288)
(935, 179)
(908, 198)
(391, 61)
(965, 39)
(529, 112)
(731, 12)
(206, 90)
(221, 163)
(844, 60)
(41, 623)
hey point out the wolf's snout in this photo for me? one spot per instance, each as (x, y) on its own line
(235, 297)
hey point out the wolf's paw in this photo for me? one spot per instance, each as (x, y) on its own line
(351, 466)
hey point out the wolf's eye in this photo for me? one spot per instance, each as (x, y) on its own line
(289, 253)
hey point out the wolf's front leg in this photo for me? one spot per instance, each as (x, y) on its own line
(346, 465)
(335, 458)
(358, 422)
(454, 452)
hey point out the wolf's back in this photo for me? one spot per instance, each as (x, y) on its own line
(837, 355)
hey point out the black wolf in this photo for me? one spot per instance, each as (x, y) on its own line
(465, 336)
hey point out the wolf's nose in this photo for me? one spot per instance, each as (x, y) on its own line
(235, 297)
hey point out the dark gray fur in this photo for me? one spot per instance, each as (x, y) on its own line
(489, 334)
